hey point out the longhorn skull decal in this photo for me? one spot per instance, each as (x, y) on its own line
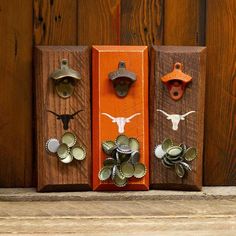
(175, 118)
(121, 121)
(65, 118)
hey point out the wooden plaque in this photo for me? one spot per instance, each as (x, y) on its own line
(105, 100)
(190, 130)
(53, 175)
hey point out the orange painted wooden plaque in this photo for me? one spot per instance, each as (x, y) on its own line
(118, 110)
(63, 113)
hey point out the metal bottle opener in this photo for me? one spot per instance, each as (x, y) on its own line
(122, 79)
(176, 81)
(65, 79)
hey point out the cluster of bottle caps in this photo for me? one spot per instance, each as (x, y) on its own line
(67, 148)
(122, 161)
(175, 156)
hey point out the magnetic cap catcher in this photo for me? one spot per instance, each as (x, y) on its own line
(176, 81)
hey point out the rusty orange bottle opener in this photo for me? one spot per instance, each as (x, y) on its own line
(176, 81)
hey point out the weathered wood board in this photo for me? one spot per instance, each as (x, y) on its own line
(54, 175)
(105, 100)
(189, 131)
(220, 132)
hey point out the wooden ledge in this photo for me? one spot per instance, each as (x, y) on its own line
(30, 194)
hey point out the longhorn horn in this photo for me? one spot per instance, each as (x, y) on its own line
(72, 115)
(54, 113)
(186, 114)
(131, 117)
(163, 112)
(111, 117)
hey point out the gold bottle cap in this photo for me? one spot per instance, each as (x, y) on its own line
(166, 144)
(63, 151)
(52, 145)
(190, 154)
(119, 173)
(134, 157)
(108, 147)
(179, 170)
(78, 152)
(174, 151)
(68, 159)
(127, 169)
(104, 173)
(139, 170)
(134, 144)
(122, 140)
(69, 139)
(120, 182)
(109, 161)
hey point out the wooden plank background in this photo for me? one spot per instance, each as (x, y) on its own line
(25, 23)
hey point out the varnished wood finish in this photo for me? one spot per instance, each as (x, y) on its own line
(141, 22)
(16, 93)
(190, 131)
(52, 174)
(55, 22)
(105, 60)
(220, 133)
(98, 22)
(184, 22)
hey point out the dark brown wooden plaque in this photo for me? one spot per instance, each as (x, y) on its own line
(54, 175)
(191, 130)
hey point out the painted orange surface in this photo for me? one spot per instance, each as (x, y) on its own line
(105, 100)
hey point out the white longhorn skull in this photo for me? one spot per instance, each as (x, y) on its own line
(175, 118)
(121, 121)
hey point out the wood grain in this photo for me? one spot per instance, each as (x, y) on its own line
(137, 217)
(190, 131)
(184, 22)
(141, 22)
(16, 93)
(220, 135)
(55, 22)
(98, 22)
(105, 100)
(52, 174)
